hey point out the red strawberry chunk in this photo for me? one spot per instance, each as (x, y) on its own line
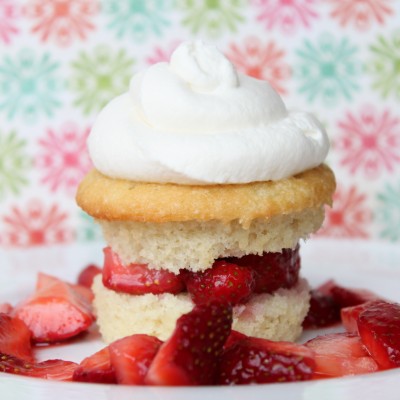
(256, 360)
(233, 338)
(15, 338)
(349, 316)
(56, 311)
(272, 270)
(340, 354)
(58, 370)
(379, 328)
(224, 282)
(191, 355)
(323, 311)
(6, 308)
(86, 276)
(138, 278)
(96, 368)
(131, 357)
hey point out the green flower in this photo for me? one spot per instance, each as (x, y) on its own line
(385, 65)
(14, 163)
(28, 85)
(388, 212)
(99, 76)
(328, 69)
(212, 16)
(138, 18)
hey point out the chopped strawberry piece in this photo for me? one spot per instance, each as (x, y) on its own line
(57, 370)
(15, 338)
(340, 354)
(6, 308)
(86, 276)
(323, 311)
(256, 360)
(272, 270)
(56, 311)
(131, 357)
(224, 282)
(233, 338)
(96, 368)
(349, 316)
(379, 329)
(191, 355)
(348, 297)
(138, 278)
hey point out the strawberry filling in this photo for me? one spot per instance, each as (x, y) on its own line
(230, 280)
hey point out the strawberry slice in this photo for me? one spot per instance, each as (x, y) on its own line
(272, 270)
(96, 368)
(224, 282)
(86, 276)
(15, 338)
(256, 360)
(191, 355)
(379, 329)
(233, 338)
(6, 308)
(340, 354)
(349, 316)
(138, 278)
(56, 311)
(58, 370)
(131, 357)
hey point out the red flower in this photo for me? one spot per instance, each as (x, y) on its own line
(360, 12)
(8, 12)
(62, 19)
(35, 224)
(349, 216)
(163, 53)
(262, 61)
(64, 158)
(369, 142)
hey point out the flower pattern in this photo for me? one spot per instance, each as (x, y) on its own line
(8, 28)
(28, 85)
(137, 18)
(14, 164)
(62, 20)
(385, 65)
(63, 157)
(35, 224)
(100, 76)
(360, 13)
(328, 69)
(369, 142)
(264, 61)
(388, 212)
(288, 15)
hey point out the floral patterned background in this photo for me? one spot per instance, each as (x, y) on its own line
(62, 60)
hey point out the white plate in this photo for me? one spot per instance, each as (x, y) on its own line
(365, 264)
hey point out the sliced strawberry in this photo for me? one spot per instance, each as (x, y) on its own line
(191, 355)
(233, 338)
(86, 276)
(272, 270)
(323, 311)
(138, 278)
(57, 370)
(340, 354)
(56, 311)
(349, 316)
(6, 308)
(96, 368)
(131, 357)
(224, 282)
(15, 338)
(379, 329)
(348, 297)
(256, 360)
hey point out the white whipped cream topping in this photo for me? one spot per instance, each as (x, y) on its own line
(197, 120)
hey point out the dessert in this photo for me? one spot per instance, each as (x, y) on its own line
(203, 185)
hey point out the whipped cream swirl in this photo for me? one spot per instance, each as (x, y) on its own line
(196, 120)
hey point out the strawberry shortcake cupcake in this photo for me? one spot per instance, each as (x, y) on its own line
(204, 184)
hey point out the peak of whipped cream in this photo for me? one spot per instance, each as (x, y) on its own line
(197, 120)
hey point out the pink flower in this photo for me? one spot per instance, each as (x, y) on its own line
(349, 216)
(63, 157)
(8, 13)
(264, 61)
(369, 142)
(35, 224)
(360, 13)
(162, 53)
(288, 15)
